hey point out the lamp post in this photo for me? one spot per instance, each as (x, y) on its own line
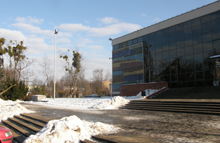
(110, 39)
(54, 91)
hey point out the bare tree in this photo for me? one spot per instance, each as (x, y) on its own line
(46, 69)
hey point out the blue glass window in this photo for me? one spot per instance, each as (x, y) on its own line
(179, 27)
(130, 43)
(172, 29)
(207, 37)
(196, 22)
(180, 51)
(172, 45)
(216, 34)
(198, 48)
(180, 43)
(140, 39)
(215, 25)
(172, 36)
(216, 45)
(188, 41)
(189, 50)
(206, 18)
(165, 47)
(197, 30)
(197, 39)
(135, 41)
(207, 27)
(207, 46)
(188, 32)
(179, 34)
(215, 15)
(187, 24)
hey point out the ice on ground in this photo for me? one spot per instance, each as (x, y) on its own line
(115, 103)
(70, 129)
(10, 108)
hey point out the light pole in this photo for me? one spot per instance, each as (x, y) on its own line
(54, 91)
(110, 39)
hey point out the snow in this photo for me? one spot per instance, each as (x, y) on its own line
(70, 129)
(85, 103)
(10, 108)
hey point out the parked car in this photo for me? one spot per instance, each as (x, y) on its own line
(6, 135)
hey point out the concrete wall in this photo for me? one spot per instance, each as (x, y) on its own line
(134, 89)
(37, 97)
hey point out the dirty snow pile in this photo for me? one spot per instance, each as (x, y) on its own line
(70, 129)
(115, 103)
(10, 108)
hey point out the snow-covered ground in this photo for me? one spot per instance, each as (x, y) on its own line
(10, 108)
(68, 129)
(88, 103)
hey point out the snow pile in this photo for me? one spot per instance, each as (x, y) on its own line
(10, 108)
(116, 102)
(70, 129)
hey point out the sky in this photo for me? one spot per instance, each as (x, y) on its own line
(84, 25)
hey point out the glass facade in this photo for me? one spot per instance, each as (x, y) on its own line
(180, 54)
(128, 65)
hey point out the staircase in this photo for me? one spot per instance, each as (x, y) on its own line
(26, 124)
(206, 92)
(177, 105)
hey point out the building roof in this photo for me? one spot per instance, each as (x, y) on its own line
(212, 7)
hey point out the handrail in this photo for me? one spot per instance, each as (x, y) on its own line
(153, 88)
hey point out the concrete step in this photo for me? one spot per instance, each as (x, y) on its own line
(17, 137)
(17, 128)
(37, 117)
(25, 125)
(34, 122)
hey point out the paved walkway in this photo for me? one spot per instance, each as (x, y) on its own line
(150, 126)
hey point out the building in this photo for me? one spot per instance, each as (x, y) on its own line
(176, 50)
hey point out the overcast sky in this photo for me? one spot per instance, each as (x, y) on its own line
(83, 24)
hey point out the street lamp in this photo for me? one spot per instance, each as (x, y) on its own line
(54, 91)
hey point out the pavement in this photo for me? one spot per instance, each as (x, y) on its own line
(146, 126)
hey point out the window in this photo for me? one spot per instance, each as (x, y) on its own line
(199, 75)
(188, 41)
(115, 47)
(196, 22)
(216, 45)
(159, 56)
(180, 52)
(215, 25)
(126, 44)
(172, 45)
(164, 39)
(207, 37)
(165, 47)
(173, 54)
(189, 50)
(197, 39)
(121, 45)
(180, 43)
(215, 15)
(187, 24)
(179, 34)
(197, 30)
(207, 27)
(207, 46)
(179, 27)
(172, 29)
(198, 58)
(166, 55)
(134, 41)
(216, 34)
(140, 39)
(188, 32)
(172, 37)
(206, 18)
(158, 41)
(158, 48)
(198, 48)
(130, 43)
